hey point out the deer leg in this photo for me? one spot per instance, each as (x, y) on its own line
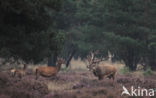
(109, 76)
(20, 76)
(113, 77)
(14, 74)
(37, 74)
(100, 77)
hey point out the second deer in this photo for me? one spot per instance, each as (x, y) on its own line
(48, 71)
(19, 72)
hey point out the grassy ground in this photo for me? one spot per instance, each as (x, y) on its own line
(76, 82)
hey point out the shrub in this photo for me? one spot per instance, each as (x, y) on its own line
(148, 72)
(21, 88)
(125, 70)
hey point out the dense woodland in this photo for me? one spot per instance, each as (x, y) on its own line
(42, 30)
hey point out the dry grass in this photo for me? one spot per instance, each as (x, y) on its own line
(79, 64)
(55, 86)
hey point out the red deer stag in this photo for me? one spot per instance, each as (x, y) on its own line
(48, 71)
(100, 71)
(19, 72)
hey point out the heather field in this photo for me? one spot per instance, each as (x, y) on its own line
(70, 85)
(73, 83)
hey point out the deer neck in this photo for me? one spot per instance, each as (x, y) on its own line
(58, 66)
(24, 67)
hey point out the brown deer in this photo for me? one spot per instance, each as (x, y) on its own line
(100, 71)
(48, 71)
(12, 72)
(19, 72)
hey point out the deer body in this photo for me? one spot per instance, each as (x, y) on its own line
(103, 71)
(12, 72)
(48, 71)
(19, 72)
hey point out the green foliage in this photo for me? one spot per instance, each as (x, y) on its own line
(125, 48)
(125, 70)
(124, 28)
(148, 72)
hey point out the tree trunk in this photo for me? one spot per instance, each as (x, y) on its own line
(152, 64)
(70, 58)
(132, 66)
(53, 59)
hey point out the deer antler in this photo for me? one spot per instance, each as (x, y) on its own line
(92, 61)
(99, 60)
(90, 57)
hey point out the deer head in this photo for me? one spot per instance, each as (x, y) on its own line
(60, 61)
(93, 62)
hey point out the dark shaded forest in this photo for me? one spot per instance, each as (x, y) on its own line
(36, 30)
(39, 30)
